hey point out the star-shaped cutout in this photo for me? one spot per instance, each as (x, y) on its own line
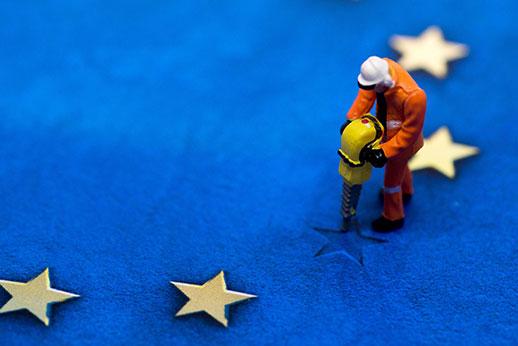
(211, 297)
(429, 51)
(439, 152)
(34, 296)
(350, 242)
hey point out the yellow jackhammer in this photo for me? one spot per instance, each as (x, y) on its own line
(358, 136)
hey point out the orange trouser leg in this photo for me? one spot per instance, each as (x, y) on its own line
(396, 175)
(407, 186)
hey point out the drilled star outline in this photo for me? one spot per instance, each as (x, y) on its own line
(348, 241)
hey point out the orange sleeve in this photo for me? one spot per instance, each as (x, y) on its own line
(414, 109)
(363, 104)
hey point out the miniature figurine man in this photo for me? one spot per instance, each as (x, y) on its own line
(400, 107)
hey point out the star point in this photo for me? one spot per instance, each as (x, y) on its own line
(440, 152)
(34, 296)
(429, 51)
(350, 242)
(212, 297)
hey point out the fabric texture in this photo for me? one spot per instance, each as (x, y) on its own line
(145, 142)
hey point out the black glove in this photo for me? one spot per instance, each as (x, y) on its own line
(344, 125)
(376, 157)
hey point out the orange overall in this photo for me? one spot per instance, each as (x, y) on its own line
(405, 111)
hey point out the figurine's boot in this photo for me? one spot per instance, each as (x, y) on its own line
(393, 216)
(385, 225)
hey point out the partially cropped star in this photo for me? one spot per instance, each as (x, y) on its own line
(35, 296)
(439, 152)
(350, 242)
(211, 297)
(428, 52)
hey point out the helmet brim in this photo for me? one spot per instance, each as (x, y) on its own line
(365, 82)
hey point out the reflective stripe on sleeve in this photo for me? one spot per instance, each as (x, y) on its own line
(393, 124)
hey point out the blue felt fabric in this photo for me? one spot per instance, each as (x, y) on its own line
(151, 141)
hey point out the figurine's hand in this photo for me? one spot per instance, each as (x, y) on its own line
(376, 157)
(344, 125)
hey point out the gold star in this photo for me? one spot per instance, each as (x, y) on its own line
(439, 152)
(211, 297)
(429, 51)
(34, 296)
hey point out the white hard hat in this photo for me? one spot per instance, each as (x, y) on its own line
(373, 71)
